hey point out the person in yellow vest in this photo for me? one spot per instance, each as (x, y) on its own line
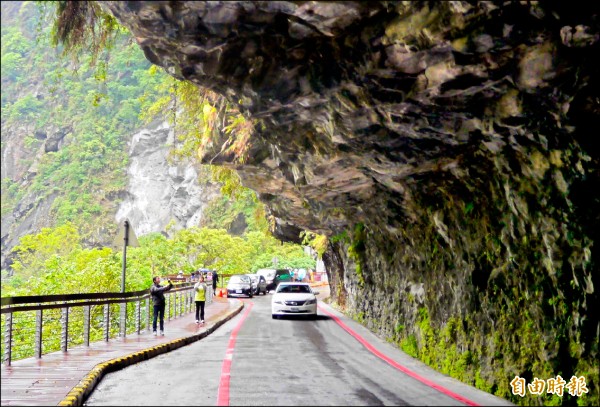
(200, 288)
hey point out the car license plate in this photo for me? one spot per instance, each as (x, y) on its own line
(238, 291)
(294, 309)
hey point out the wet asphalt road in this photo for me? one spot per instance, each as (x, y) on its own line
(291, 362)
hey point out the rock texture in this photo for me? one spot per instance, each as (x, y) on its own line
(448, 149)
(159, 193)
(20, 163)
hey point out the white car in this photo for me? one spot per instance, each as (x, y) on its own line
(294, 299)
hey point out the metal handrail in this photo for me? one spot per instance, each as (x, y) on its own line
(223, 277)
(78, 313)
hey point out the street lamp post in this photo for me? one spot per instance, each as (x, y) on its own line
(126, 237)
(125, 241)
(124, 304)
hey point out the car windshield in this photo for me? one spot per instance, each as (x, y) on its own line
(252, 277)
(239, 279)
(293, 289)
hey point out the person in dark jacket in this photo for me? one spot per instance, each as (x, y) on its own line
(215, 279)
(158, 299)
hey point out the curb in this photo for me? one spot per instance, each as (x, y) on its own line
(84, 388)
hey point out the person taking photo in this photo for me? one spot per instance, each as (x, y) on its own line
(158, 300)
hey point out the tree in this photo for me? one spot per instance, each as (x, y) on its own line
(35, 251)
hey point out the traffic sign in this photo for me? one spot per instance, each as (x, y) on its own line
(131, 237)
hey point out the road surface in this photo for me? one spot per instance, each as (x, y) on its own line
(254, 360)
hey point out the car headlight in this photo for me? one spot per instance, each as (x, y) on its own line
(314, 301)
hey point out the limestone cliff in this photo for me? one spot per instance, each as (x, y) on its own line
(446, 148)
(157, 194)
(160, 194)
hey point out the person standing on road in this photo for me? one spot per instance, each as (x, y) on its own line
(200, 288)
(158, 300)
(215, 278)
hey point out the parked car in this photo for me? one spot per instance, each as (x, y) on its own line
(259, 284)
(294, 299)
(239, 284)
(274, 277)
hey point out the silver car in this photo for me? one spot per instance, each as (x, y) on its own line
(294, 299)
(259, 284)
(239, 284)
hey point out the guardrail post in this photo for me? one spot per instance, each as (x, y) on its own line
(8, 326)
(186, 295)
(168, 310)
(86, 324)
(148, 314)
(38, 333)
(175, 306)
(138, 316)
(64, 338)
(183, 303)
(106, 322)
(123, 320)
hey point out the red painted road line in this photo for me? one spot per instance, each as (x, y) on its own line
(398, 365)
(223, 392)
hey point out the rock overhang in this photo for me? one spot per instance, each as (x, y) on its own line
(365, 105)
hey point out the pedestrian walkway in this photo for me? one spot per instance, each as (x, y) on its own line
(67, 378)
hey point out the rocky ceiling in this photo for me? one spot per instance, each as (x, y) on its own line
(364, 104)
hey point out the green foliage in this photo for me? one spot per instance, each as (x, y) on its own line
(318, 242)
(36, 252)
(341, 237)
(199, 117)
(54, 262)
(11, 194)
(288, 255)
(95, 103)
(359, 317)
(11, 64)
(235, 200)
(356, 251)
(409, 345)
(437, 348)
(83, 27)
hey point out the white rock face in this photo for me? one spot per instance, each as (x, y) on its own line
(158, 192)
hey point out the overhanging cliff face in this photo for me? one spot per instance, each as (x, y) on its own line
(446, 148)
